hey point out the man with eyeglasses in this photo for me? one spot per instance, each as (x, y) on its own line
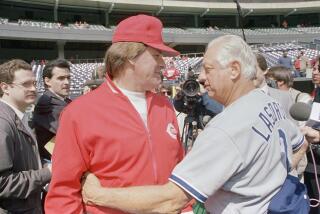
(56, 78)
(21, 173)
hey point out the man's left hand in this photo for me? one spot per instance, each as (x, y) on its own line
(90, 187)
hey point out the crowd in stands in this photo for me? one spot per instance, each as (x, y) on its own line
(283, 30)
(4, 20)
(81, 24)
(55, 25)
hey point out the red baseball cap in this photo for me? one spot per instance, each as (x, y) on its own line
(145, 29)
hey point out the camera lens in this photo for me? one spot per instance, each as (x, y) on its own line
(191, 88)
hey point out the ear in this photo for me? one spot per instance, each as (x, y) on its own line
(235, 70)
(4, 87)
(280, 83)
(47, 81)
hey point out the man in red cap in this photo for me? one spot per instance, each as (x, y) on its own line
(122, 132)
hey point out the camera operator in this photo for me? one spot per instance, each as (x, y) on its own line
(192, 102)
(198, 109)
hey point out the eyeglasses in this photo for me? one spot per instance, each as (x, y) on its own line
(27, 84)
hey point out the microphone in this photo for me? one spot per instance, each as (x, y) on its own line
(304, 112)
(300, 111)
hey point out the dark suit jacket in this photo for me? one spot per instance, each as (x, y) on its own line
(21, 175)
(46, 119)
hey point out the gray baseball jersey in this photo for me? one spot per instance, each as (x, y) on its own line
(238, 161)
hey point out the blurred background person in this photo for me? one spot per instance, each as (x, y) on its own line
(284, 80)
(304, 63)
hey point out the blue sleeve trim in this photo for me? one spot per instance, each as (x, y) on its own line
(188, 188)
(297, 146)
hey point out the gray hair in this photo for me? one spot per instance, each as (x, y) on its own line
(232, 48)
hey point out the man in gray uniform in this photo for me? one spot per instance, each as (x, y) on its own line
(21, 172)
(286, 101)
(238, 161)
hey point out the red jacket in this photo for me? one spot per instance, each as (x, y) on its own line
(101, 132)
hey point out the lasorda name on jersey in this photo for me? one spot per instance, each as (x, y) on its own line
(271, 114)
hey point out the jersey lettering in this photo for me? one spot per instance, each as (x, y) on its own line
(271, 114)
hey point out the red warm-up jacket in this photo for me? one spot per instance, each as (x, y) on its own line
(101, 132)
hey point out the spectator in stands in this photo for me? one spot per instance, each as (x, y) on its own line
(85, 24)
(296, 64)
(121, 132)
(21, 173)
(56, 78)
(304, 62)
(285, 24)
(285, 60)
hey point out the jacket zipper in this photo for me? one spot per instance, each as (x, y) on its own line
(154, 163)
